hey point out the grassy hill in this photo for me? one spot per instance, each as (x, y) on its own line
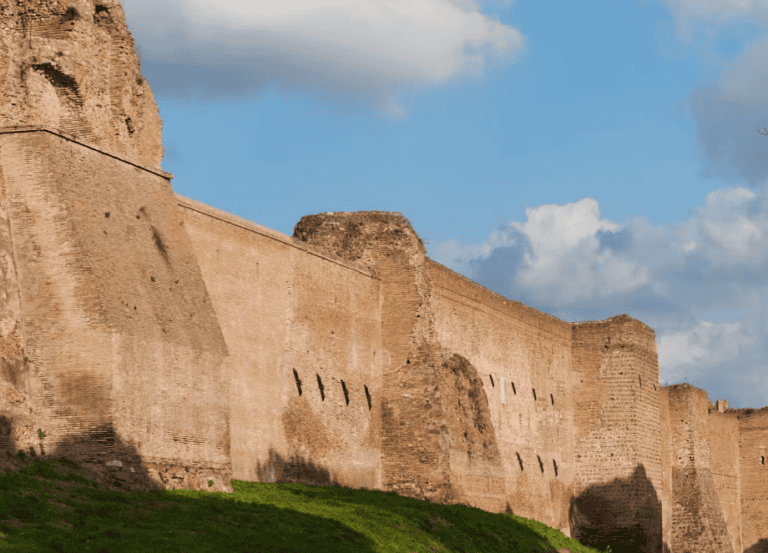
(50, 506)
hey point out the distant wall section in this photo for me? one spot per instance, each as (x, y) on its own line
(617, 484)
(523, 359)
(725, 462)
(753, 440)
(698, 522)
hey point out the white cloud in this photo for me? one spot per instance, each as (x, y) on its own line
(706, 343)
(706, 303)
(372, 48)
(732, 237)
(563, 259)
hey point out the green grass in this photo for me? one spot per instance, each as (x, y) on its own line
(50, 506)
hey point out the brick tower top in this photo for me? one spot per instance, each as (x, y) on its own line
(71, 65)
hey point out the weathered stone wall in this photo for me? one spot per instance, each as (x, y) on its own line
(698, 522)
(753, 450)
(305, 339)
(71, 65)
(523, 359)
(665, 433)
(107, 326)
(617, 481)
(725, 462)
(170, 345)
(415, 431)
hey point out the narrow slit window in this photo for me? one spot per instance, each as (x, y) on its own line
(513, 388)
(367, 397)
(534, 393)
(554, 463)
(541, 465)
(346, 393)
(519, 460)
(552, 399)
(298, 382)
(492, 384)
(320, 385)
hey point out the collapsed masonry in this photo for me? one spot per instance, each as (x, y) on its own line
(166, 344)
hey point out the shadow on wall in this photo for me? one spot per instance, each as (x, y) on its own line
(598, 518)
(294, 470)
(104, 458)
(759, 547)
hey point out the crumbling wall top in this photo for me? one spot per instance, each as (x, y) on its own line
(71, 65)
(349, 235)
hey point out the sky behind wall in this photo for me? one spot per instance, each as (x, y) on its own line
(585, 158)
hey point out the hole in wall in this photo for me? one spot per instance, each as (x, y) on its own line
(534, 393)
(762, 459)
(346, 393)
(513, 388)
(162, 248)
(640, 379)
(71, 14)
(298, 381)
(106, 214)
(519, 460)
(552, 399)
(57, 78)
(320, 385)
(367, 397)
(100, 8)
(541, 465)
(492, 384)
(654, 387)
(554, 463)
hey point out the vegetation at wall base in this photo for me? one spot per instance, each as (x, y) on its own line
(48, 505)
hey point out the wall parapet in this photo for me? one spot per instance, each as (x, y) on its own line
(245, 224)
(13, 129)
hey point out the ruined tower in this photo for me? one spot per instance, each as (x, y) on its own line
(71, 65)
(110, 350)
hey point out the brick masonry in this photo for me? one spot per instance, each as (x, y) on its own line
(167, 344)
(171, 345)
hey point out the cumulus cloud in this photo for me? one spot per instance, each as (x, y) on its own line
(701, 284)
(728, 110)
(355, 51)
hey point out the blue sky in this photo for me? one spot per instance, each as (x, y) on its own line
(586, 158)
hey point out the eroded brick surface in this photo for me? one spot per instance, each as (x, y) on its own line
(72, 66)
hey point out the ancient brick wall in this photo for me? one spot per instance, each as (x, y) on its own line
(123, 358)
(304, 336)
(414, 426)
(753, 450)
(698, 522)
(617, 481)
(72, 66)
(725, 462)
(523, 359)
(665, 434)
